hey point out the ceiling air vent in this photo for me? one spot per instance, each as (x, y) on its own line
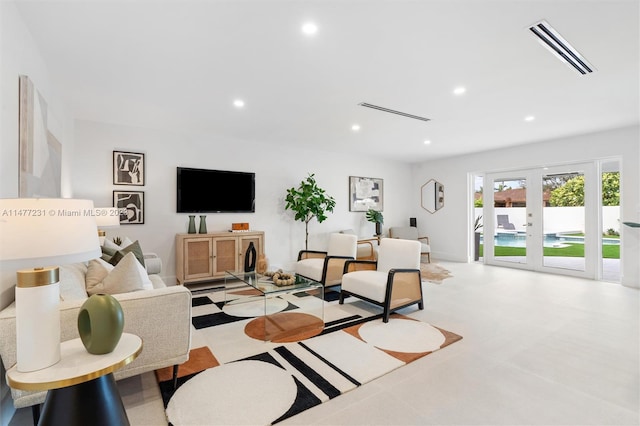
(560, 47)
(391, 111)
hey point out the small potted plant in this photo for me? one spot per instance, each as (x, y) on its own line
(375, 217)
(476, 229)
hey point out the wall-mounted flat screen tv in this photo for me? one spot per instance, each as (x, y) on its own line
(215, 191)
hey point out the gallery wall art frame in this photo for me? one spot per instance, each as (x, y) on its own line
(366, 193)
(40, 151)
(129, 168)
(131, 205)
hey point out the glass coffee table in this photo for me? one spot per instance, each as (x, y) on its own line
(286, 313)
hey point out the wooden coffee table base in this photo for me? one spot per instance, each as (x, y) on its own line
(284, 327)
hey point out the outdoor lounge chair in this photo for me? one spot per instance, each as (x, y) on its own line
(503, 222)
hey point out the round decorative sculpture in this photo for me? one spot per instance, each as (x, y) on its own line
(282, 279)
(100, 323)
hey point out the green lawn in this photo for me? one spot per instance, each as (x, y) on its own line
(574, 250)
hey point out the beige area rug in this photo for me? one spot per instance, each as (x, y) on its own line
(434, 273)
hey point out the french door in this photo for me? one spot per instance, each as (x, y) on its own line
(543, 219)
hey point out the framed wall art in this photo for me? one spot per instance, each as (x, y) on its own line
(131, 205)
(128, 168)
(365, 193)
(40, 171)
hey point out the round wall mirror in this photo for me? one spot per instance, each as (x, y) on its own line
(432, 196)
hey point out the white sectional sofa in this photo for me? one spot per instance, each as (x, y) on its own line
(160, 316)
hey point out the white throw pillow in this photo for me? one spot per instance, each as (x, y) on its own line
(123, 278)
(97, 271)
(109, 244)
(146, 281)
(72, 282)
(126, 242)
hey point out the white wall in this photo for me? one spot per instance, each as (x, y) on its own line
(276, 170)
(20, 55)
(450, 228)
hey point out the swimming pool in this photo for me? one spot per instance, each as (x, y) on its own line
(519, 240)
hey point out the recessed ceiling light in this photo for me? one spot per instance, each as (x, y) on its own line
(529, 118)
(238, 103)
(427, 142)
(355, 127)
(309, 28)
(459, 90)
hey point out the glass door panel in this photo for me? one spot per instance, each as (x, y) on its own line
(544, 219)
(563, 219)
(507, 237)
(510, 205)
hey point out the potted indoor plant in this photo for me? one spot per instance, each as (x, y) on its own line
(307, 201)
(476, 229)
(376, 217)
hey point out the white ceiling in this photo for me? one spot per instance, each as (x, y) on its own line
(178, 65)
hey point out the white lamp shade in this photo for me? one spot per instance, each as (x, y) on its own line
(36, 232)
(107, 217)
(53, 231)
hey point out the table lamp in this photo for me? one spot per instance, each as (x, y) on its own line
(36, 232)
(106, 217)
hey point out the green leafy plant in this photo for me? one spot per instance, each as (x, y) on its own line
(374, 216)
(477, 224)
(307, 201)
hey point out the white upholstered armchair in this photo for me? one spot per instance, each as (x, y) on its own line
(411, 233)
(392, 282)
(367, 247)
(327, 267)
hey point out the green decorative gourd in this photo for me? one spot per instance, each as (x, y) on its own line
(100, 323)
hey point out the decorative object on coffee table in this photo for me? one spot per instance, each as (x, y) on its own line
(100, 323)
(261, 265)
(203, 225)
(282, 279)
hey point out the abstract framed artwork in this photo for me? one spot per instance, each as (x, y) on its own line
(40, 170)
(365, 193)
(128, 168)
(131, 205)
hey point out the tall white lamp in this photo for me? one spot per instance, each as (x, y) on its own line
(35, 232)
(106, 217)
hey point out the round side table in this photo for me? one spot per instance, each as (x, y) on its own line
(81, 386)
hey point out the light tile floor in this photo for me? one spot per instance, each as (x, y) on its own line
(538, 349)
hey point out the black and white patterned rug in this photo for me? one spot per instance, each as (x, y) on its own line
(233, 379)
